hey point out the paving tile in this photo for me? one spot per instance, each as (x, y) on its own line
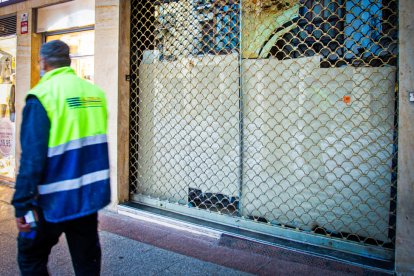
(279, 267)
(186, 245)
(8, 227)
(294, 258)
(131, 228)
(8, 235)
(131, 257)
(6, 193)
(112, 243)
(270, 251)
(8, 261)
(241, 260)
(60, 262)
(211, 252)
(63, 269)
(191, 266)
(6, 211)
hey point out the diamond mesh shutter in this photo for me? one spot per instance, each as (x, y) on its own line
(270, 114)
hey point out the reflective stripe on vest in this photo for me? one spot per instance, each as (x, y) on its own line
(76, 144)
(72, 184)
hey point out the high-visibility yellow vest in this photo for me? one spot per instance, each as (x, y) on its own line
(76, 180)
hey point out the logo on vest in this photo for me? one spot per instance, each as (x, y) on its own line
(84, 102)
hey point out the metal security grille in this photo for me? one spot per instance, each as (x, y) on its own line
(274, 115)
(8, 25)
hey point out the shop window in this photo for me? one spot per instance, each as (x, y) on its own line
(219, 21)
(8, 46)
(343, 32)
(321, 22)
(81, 49)
(389, 17)
(195, 27)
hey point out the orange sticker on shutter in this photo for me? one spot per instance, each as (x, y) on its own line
(347, 99)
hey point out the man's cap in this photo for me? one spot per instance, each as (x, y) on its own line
(55, 51)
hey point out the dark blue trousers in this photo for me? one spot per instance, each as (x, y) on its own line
(83, 242)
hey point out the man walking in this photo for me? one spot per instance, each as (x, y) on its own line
(63, 178)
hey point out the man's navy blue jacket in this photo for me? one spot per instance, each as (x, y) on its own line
(34, 139)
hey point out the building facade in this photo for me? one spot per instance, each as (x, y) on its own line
(287, 118)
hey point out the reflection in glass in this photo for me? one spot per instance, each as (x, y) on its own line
(81, 51)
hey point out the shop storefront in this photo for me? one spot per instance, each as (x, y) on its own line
(196, 127)
(278, 117)
(269, 117)
(42, 21)
(91, 28)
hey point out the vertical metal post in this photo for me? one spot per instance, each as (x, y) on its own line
(241, 106)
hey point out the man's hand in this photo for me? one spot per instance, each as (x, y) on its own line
(22, 226)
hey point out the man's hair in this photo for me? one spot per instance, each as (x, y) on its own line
(55, 54)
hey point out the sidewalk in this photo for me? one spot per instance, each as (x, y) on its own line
(142, 247)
